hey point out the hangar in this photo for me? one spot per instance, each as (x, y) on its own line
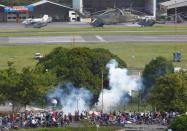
(146, 6)
(175, 7)
(58, 12)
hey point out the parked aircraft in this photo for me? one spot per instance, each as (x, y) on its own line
(37, 22)
(115, 16)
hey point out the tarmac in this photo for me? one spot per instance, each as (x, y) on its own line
(32, 40)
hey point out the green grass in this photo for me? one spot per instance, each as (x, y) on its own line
(155, 30)
(73, 129)
(136, 55)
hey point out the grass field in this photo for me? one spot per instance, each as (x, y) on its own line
(136, 55)
(108, 30)
(73, 129)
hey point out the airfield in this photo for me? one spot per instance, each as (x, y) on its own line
(134, 44)
(90, 39)
(17, 34)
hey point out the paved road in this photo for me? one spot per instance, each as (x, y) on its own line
(90, 39)
(13, 25)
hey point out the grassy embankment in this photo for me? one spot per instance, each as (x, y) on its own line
(136, 55)
(108, 30)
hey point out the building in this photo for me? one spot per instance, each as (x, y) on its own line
(172, 7)
(2, 14)
(146, 6)
(58, 12)
(17, 13)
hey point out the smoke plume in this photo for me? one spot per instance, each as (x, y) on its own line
(120, 84)
(70, 98)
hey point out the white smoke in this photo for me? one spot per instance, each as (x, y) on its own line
(120, 84)
(70, 98)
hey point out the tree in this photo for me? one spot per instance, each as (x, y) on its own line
(179, 123)
(153, 70)
(9, 85)
(24, 88)
(81, 66)
(34, 85)
(170, 93)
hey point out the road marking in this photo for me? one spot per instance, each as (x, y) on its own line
(100, 38)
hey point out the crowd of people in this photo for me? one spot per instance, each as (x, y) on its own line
(33, 120)
(60, 119)
(122, 118)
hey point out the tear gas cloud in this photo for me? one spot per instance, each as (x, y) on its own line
(120, 84)
(71, 98)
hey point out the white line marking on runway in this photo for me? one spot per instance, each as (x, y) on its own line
(100, 38)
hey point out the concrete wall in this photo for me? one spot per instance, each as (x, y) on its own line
(78, 5)
(96, 5)
(150, 7)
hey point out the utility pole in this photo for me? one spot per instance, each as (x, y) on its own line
(175, 13)
(102, 92)
(77, 104)
(115, 4)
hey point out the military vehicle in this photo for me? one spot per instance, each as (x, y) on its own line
(116, 15)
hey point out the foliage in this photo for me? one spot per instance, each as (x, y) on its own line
(170, 93)
(153, 70)
(179, 123)
(25, 87)
(34, 85)
(81, 66)
(9, 84)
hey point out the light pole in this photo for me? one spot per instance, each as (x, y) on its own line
(102, 92)
(175, 13)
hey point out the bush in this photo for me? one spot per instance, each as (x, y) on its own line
(179, 123)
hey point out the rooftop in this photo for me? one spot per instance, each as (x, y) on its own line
(46, 1)
(174, 3)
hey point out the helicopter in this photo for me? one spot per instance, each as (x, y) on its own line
(115, 16)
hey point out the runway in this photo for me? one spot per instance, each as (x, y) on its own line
(91, 39)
